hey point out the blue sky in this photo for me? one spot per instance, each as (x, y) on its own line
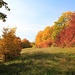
(31, 16)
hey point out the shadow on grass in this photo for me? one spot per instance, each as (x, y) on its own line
(40, 64)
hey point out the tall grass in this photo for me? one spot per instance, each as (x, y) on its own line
(44, 61)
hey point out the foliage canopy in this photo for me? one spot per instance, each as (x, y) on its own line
(2, 15)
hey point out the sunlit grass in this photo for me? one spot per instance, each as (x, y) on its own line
(49, 50)
(41, 61)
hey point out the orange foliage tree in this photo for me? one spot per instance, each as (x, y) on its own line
(38, 39)
(10, 45)
(43, 38)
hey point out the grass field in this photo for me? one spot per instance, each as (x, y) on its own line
(41, 61)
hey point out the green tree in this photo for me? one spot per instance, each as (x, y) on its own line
(2, 15)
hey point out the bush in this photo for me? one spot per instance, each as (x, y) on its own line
(25, 43)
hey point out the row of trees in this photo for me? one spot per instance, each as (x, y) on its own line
(62, 33)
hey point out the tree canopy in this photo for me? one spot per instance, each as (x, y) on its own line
(3, 16)
(62, 33)
(10, 44)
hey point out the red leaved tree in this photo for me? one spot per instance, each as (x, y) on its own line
(67, 36)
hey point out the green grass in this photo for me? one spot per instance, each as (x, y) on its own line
(41, 61)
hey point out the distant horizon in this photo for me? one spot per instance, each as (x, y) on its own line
(31, 16)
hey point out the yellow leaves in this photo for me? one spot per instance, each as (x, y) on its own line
(43, 36)
(39, 37)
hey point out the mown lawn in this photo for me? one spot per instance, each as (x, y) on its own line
(41, 61)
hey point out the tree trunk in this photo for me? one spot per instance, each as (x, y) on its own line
(5, 57)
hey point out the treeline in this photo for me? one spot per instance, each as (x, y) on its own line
(11, 45)
(61, 34)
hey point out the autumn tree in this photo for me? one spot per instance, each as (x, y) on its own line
(62, 22)
(10, 44)
(38, 39)
(67, 36)
(2, 15)
(46, 43)
(43, 38)
(47, 33)
(25, 43)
